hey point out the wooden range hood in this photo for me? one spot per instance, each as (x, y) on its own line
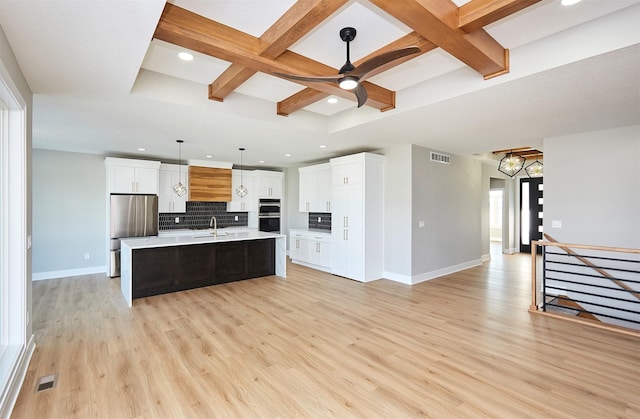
(209, 184)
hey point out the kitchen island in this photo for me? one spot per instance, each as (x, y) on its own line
(158, 265)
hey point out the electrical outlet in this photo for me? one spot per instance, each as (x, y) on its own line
(319, 219)
(177, 220)
(87, 256)
(421, 224)
(235, 218)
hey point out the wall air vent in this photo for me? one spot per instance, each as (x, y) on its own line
(440, 158)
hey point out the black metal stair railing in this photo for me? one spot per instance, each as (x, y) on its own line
(600, 283)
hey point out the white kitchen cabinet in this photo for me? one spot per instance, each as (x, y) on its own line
(312, 249)
(248, 202)
(168, 200)
(268, 184)
(357, 216)
(345, 173)
(132, 176)
(315, 188)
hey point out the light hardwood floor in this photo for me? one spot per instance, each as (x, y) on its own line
(317, 345)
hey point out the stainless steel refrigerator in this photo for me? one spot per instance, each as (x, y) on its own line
(131, 216)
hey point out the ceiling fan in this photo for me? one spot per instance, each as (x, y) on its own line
(350, 77)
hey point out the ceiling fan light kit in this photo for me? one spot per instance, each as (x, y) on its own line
(350, 77)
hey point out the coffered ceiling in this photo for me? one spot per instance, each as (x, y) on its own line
(107, 79)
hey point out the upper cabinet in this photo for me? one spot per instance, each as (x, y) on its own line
(345, 173)
(315, 188)
(209, 184)
(268, 184)
(246, 203)
(168, 200)
(132, 176)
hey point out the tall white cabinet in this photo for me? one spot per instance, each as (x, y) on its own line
(357, 201)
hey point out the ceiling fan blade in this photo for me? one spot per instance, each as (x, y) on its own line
(361, 94)
(321, 79)
(382, 59)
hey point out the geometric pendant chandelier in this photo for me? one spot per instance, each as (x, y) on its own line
(511, 164)
(534, 169)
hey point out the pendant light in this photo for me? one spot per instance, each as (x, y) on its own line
(511, 164)
(179, 188)
(241, 190)
(535, 169)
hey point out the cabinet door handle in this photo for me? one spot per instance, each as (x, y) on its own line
(347, 231)
(328, 206)
(347, 218)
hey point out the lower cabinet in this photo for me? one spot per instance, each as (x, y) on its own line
(159, 270)
(310, 249)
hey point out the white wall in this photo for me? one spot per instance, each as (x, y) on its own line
(16, 228)
(69, 214)
(592, 185)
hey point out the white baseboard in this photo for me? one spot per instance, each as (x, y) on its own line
(416, 279)
(486, 257)
(403, 279)
(38, 276)
(15, 378)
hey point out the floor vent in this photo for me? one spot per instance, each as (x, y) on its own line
(46, 382)
(440, 158)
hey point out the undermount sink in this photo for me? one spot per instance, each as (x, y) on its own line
(210, 233)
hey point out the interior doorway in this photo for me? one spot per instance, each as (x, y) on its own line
(497, 212)
(495, 215)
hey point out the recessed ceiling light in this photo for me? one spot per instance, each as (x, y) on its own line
(569, 2)
(142, 149)
(185, 56)
(332, 100)
(261, 161)
(287, 155)
(208, 156)
(323, 146)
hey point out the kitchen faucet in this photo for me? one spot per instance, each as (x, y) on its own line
(213, 223)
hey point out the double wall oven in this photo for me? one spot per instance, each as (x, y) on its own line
(269, 215)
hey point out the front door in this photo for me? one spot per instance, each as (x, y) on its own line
(530, 212)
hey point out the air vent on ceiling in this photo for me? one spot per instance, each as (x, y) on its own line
(440, 158)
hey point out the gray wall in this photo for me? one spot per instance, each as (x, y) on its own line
(448, 198)
(592, 185)
(69, 212)
(398, 211)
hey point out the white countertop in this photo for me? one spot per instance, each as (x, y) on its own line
(199, 237)
(311, 230)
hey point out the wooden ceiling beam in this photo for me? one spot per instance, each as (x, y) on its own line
(310, 95)
(479, 13)
(437, 21)
(189, 30)
(301, 18)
